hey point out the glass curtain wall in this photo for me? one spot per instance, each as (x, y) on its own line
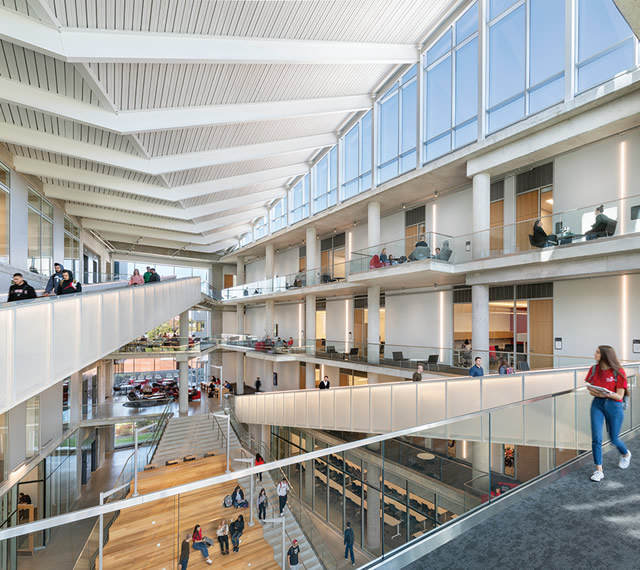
(397, 111)
(4, 213)
(451, 88)
(4, 445)
(526, 59)
(71, 246)
(40, 234)
(324, 177)
(279, 215)
(606, 44)
(246, 239)
(261, 228)
(356, 149)
(299, 200)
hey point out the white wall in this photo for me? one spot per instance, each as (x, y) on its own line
(286, 317)
(392, 227)
(453, 213)
(288, 375)
(255, 271)
(51, 413)
(414, 319)
(591, 312)
(229, 367)
(336, 319)
(229, 322)
(254, 321)
(287, 262)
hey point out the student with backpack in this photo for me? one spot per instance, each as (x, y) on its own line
(282, 489)
(607, 383)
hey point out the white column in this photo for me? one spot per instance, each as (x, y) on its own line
(480, 465)
(373, 331)
(373, 224)
(184, 326)
(183, 387)
(269, 309)
(267, 382)
(269, 261)
(481, 214)
(240, 270)
(240, 318)
(240, 373)
(312, 255)
(509, 235)
(310, 376)
(480, 323)
(75, 398)
(310, 323)
(372, 378)
(373, 507)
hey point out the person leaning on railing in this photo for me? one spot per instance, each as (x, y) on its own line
(607, 383)
(136, 278)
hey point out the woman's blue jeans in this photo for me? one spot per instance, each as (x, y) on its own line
(202, 547)
(611, 412)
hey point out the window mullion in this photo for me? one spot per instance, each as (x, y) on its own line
(527, 54)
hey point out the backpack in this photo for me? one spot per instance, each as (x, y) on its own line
(228, 501)
(625, 398)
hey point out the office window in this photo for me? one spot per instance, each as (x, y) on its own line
(71, 246)
(279, 215)
(40, 234)
(261, 228)
(606, 44)
(513, 95)
(325, 181)
(299, 200)
(398, 122)
(451, 88)
(4, 212)
(357, 158)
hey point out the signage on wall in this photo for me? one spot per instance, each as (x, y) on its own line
(558, 343)
(275, 378)
(636, 345)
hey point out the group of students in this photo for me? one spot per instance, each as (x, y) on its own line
(150, 276)
(202, 543)
(60, 283)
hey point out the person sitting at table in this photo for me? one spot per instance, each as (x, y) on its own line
(383, 255)
(599, 228)
(540, 237)
(421, 251)
(445, 253)
(392, 260)
(290, 342)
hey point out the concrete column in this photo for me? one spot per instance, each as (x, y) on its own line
(183, 386)
(373, 333)
(240, 318)
(312, 256)
(480, 323)
(480, 465)
(267, 382)
(373, 224)
(269, 309)
(269, 261)
(509, 236)
(374, 513)
(481, 214)
(308, 473)
(240, 270)
(310, 376)
(75, 398)
(184, 326)
(108, 380)
(240, 373)
(372, 378)
(310, 323)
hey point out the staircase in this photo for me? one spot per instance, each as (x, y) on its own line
(198, 435)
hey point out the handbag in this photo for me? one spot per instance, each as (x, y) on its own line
(207, 541)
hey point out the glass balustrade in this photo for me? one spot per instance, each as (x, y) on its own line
(581, 225)
(394, 489)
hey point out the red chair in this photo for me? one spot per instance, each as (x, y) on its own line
(375, 262)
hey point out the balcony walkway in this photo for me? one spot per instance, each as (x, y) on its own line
(570, 523)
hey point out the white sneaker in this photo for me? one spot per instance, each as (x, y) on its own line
(625, 460)
(597, 476)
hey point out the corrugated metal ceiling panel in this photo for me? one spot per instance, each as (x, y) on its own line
(42, 122)
(230, 212)
(160, 85)
(44, 72)
(235, 169)
(181, 141)
(97, 190)
(21, 6)
(382, 21)
(227, 194)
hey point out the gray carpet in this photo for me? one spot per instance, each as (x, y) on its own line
(571, 523)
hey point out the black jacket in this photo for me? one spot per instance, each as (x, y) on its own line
(184, 551)
(20, 292)
(324, 385)
(154, 277)
(539, 236)
(236, 527)
(68, 287)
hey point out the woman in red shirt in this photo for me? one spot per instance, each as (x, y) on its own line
(199, 543)
(607, 406)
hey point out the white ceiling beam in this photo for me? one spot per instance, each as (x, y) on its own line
(23, 136)
(42, 9)
(86, 212)
(212, 248)
(98, 199)
(43, 168)
(81, 45)
(128, 122)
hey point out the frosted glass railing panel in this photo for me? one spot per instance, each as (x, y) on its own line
(507, 425)
(500, 390)
(361, 409)
(463, 397)
(539, 384)
(405, 408)
(51, 338)
(381, 409)
(473, 429)
(538, 428)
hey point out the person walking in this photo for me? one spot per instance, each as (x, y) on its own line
(259, 461)
(293, 554)
(223, 537)
(68, 285)
(147, 275)
(607, 383)
(236, 529)
(282, 489)
(258, 384)
(20, 289)
(262, 505)
(136, 278)
(200, 544)
(54, 280)
(184, 553)
(349, 539)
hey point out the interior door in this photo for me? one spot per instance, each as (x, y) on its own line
(228, 281)
(497, 221)
(526, 213)
(541, 332)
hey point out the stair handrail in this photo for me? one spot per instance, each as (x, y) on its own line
(305, 523)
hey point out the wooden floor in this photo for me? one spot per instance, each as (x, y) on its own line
(149, 536)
